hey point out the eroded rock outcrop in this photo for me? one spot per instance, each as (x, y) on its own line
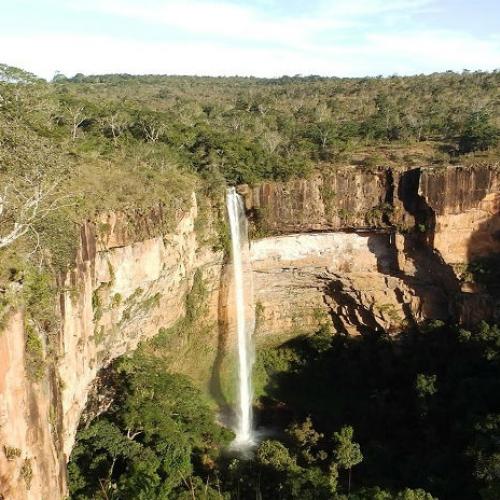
(129, 292)
(466, 206)
(347, 198)
(459, 205)
(411, 231)
(347, 280)
(355, 249)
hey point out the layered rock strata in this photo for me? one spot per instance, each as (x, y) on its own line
(459, 206)
(429, 223)
(349, 281)
(353, 249)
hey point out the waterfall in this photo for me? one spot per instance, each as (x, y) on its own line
(244, 312)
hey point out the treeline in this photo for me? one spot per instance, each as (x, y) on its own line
(250, 129)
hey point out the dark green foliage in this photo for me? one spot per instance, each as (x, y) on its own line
(425, 385)
(479, 133)
(195, 299)
(159, 434)
(404, 416)
(485, 271)
(424, 407)
(274, 473)
(11, 74)
(346, 452)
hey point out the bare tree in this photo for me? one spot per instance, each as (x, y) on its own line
(325, 132)
(77, 118)
(236, 123)
(322, 112)
(272, 141)
(116, 124)
(25, 203)
(263, 109)
(152, 130)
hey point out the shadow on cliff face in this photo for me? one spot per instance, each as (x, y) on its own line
(353, 311)
(358, 307)
(481, 298)
(372, 309)
(431, 277)
(419, 243)
(387, 263)
(415, 205)
(483, 248)
(215, 384)
(483, 254)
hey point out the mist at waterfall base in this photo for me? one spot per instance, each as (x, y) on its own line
(246, 436)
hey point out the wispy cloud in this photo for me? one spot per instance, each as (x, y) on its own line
(404, 54)
(226, 20)
(254, 37)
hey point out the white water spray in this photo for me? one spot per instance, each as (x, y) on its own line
(245, 320)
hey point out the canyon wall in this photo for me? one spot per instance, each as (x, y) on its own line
(362, 249)
(457, 204)
(466, 207)
(120, 291)
(331, 201)
(348, 281)
(31, 465)
(352, 250)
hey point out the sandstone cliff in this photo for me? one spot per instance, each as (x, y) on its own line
(120, 292)
(372, 248)
(352, 250)
(349, 281)
(455, 202)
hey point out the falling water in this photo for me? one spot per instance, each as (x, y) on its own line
(243, 298)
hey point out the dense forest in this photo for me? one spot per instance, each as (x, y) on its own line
(414, 416)
(409, 418)
(156, 138)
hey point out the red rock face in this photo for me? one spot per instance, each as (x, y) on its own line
(27, 425)
(466, 204)
(457, 208)
(337, 201)
(436, 220)
(122, 289)
(350, 282)
(392, 242)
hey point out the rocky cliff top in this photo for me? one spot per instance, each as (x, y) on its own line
(353, 197)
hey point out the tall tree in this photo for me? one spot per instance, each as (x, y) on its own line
(347, 452)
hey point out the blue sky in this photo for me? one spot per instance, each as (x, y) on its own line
(250, 37)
